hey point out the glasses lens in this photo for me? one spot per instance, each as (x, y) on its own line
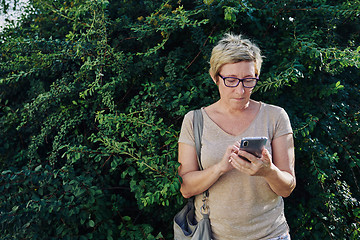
(250, 82)
(231, 82)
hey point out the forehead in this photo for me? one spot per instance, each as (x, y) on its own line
(239, 68)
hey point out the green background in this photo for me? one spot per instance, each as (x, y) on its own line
(93, 93)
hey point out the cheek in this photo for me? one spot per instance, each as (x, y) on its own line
(224, 93)
(249, 90)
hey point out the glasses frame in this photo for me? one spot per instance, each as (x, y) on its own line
(239, 80)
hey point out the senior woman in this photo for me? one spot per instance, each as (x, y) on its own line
(245, 197)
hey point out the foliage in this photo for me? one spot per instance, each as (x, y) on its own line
(92, 95)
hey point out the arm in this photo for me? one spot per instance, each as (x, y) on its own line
(282, 178)
(195, 181)
(278, 170)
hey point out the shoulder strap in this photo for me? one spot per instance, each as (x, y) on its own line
(198, 123)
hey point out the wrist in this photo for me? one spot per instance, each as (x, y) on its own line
(272, 172)
(220, 169)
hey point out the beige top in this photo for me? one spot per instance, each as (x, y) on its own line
(241, 206)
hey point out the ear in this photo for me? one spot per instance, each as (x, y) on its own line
(214, 78)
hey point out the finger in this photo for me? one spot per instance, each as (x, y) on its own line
(266, 155)
(238, 166)
(234, 163)
(248, 156)
(235, 148)
(231, 149)
(240, 160)
(244, 158)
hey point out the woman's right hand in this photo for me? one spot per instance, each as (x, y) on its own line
(225, 164)
(194, 181)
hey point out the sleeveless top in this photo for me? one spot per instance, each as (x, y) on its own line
(241, 206)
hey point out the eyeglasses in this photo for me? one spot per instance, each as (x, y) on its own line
(234, 82)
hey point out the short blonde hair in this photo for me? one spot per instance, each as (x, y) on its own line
(232, 49)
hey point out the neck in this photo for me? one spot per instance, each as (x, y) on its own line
(238, 110)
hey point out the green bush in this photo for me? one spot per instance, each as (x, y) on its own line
(92, 96)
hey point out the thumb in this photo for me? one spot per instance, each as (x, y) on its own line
(266, 155)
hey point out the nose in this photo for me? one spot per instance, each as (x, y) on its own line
(240, 88)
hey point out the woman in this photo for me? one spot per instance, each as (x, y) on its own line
(245, 197)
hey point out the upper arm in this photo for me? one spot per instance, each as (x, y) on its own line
(283, 153)
(187, 158)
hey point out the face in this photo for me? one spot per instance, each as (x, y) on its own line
(237, 97)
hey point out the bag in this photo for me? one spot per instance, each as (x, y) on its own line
(186, 227)
(185, 224)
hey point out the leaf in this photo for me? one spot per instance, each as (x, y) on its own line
(91, 223)
(38, 168)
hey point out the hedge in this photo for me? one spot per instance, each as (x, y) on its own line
(93, 92)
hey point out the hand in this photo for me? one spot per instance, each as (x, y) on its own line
(224, 165)
(255, 166)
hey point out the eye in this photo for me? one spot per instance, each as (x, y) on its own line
(249, 80)
(232, 80)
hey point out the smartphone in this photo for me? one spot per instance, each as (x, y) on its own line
(253, 145)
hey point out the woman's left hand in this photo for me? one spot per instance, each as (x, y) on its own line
(254, 166)
(277, 169)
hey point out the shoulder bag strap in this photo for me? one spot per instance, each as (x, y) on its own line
(198, 123)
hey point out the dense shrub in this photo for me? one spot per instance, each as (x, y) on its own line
(92, 95)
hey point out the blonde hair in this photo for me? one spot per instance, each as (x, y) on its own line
(232, 49)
